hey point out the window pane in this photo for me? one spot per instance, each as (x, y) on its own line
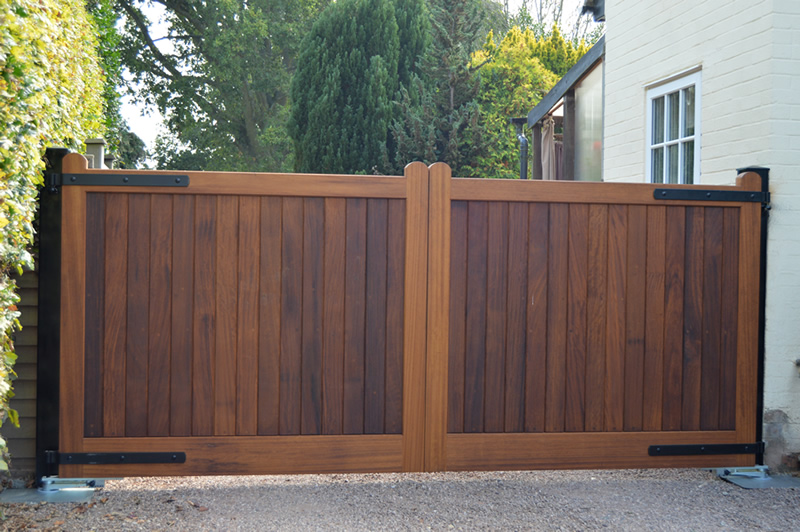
(672, 163)
(673, 113)
(688, 162)
(658, 120)
(657, 165)
(688, 111)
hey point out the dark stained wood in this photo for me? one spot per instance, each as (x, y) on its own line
(333, 316)
(225, 364)
(160, 333)
(517, 290)
(180, 418)
(458, 314)
(354, 316)
(311, 370)
(536, 338)
(712, 319)
(269, 316)
(475, 358)
(291, 316)
(693, 319)
(95, 305)
(395, 296)
(635, 317)
(496, 316)
(673, 317)
(137, 315)
(247, 322)
(576, 318)
(596, 287)
(615, 317)
(654, 325)
(375, 332)
(204, 321)
(557, 293)
(730, 312)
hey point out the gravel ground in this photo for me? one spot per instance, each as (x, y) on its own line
(670, 499)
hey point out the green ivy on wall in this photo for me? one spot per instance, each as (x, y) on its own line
(51, 87)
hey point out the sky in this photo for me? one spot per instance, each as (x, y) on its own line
(146, 121)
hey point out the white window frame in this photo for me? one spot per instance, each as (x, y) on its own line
(663, 89)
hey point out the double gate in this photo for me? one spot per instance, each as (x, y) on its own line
(266, 323)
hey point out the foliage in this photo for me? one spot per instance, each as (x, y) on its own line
(438, 114)
(220, 76)
(540, 16)
(512, 83)
(51, 89)
(350, 69)
(105, 16)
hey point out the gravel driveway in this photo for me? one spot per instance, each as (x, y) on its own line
(670, 499)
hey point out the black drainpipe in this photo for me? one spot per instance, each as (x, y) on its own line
(519, 123)
(762, 299)
(49, 312)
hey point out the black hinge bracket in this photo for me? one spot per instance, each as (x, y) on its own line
(53, 180)
(54, 457)
(708, 449)
(685, 194)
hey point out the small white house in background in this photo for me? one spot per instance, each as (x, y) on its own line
(693, 90)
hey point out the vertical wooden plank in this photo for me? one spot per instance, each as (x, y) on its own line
(536, 338)
(226, 281)
(291, 316)
(673, 317)
(73, 315)
(576, 318)
(311, 369)
(375, 333)
(415, 317)
(354, 315)
(496, 308)
(557, 318)
(596, 286)
(730, 310)
(204, 321)
(138, 315)
(269, 316)
(475, 360)
(247, 313)
(438, 315)
(654, 325)
(115, 313)
(458, 316)
(160, 337)
(333, 318)
(395, 295)
(635, 317)
(615, 317)
(693, 318)
(712, 319)
(180, 418)
(517, 290)
(95, 305)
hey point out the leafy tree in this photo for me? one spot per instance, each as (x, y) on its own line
(51, 87)
(438, 114)
(513, 81)
(540, 16)
(220, 76)
(351, 66)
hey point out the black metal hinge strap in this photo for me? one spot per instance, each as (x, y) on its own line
(685, 194)
(118, 180)
(714, 448)
(117, 458)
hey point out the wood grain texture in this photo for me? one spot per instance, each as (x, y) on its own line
(395, 297)
(226, 282)
(311, 365)
(475, 360)
(333, 316)
(458, 316)
(636, 286)
(693, 319)
(375, 318)
(557, 293)
(654, 325)
(180, 418)
(138, 311)
(291, 316)
(673, 317)
(730, 310)
(269, 316)
(204, 319)
(496, 316)
(537, 318)
(355, 316)
(615, 318)
(575, 406)
(116, 323)
(248, 317)
(516, 327)
(95, 305)
(712, 320)
(596, 287)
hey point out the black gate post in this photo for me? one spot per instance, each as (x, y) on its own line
(49, 310)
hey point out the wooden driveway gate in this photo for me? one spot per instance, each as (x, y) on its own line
(265, 323)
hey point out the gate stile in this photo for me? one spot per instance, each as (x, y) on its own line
(266, 323)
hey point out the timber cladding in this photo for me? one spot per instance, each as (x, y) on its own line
(266, 323)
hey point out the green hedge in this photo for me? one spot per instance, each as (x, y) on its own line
(51, 89)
